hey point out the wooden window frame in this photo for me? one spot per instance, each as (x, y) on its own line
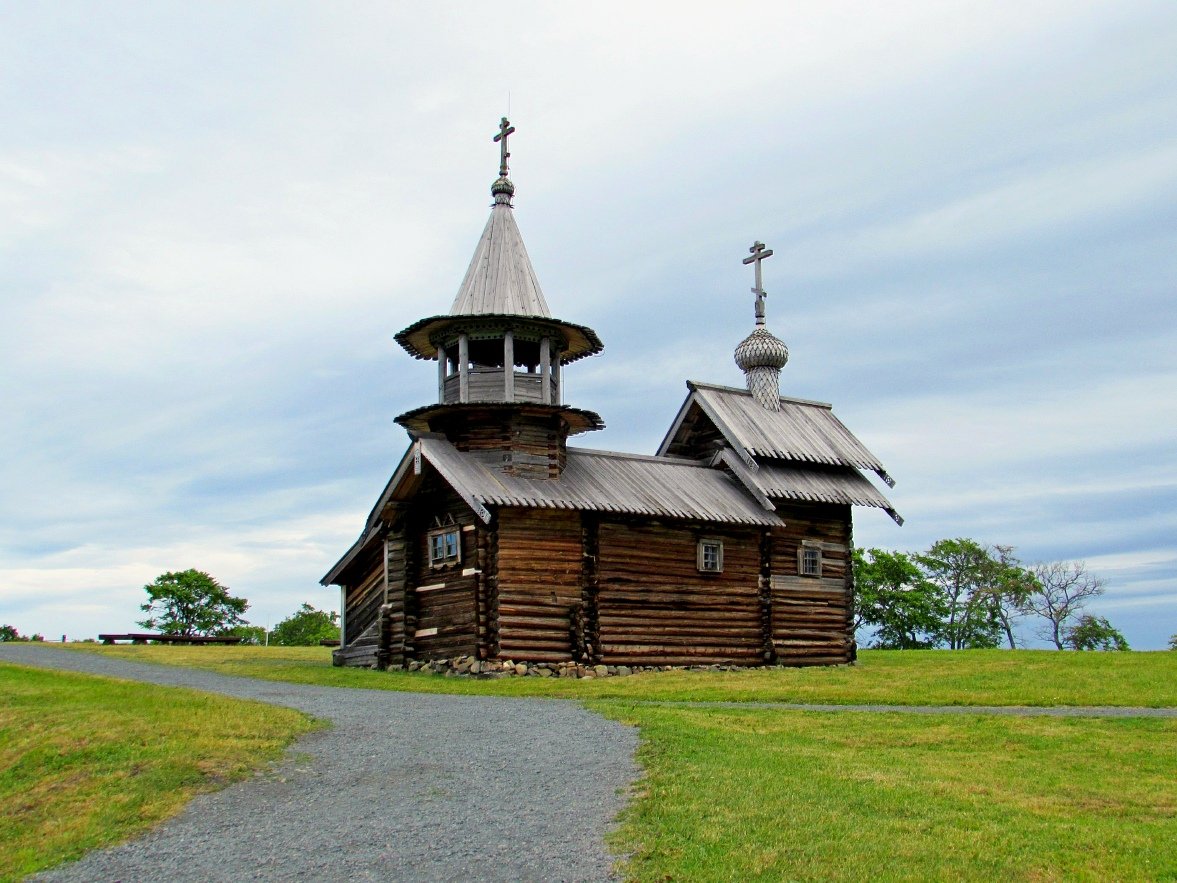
(446, 559)
(803, 551)
(701, 555)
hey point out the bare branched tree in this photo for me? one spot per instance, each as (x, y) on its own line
(1063, 589)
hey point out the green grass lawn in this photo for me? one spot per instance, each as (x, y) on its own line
(893, 677)
(787, 795)
(774, 794)
(88, 762)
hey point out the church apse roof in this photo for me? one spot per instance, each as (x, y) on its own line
(802, 430)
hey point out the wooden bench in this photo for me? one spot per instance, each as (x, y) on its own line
(171, 639)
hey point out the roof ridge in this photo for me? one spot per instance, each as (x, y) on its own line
(695, 384)
(626, 455)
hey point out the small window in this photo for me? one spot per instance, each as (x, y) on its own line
(710, 556)
(444, 547)
(810, 561)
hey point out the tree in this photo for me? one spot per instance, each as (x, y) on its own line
(892, 596)
(1173, 642)
(253, 635)
(1063, 589)
(306, 627)
(1006, 587)
(191, 602)
(1094, 633)
(962, 569)
(9, 633)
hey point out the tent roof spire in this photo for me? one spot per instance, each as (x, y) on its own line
(500, 279)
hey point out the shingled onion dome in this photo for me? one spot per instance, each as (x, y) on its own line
(761, 355)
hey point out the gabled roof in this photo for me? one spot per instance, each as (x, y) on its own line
(777, 481)
(802, 431)
(595, 481)
(601, 481)
(500, 278)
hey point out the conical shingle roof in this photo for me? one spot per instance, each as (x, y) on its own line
(500, 279)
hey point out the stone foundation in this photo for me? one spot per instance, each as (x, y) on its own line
(471, 667)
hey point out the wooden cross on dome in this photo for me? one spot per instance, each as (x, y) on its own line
(505, 129)
(759, 253)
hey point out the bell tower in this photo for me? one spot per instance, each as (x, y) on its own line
(500, 354)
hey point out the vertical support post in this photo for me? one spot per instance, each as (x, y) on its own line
(386, 570)
(342, 617)
(545, 371)
(590, 539)
(509, 366)
(442, 362)
(764, 591)
(558, 378)
(463, 367)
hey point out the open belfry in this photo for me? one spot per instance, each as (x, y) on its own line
(495, 539)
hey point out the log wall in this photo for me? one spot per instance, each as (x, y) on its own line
(532, 442)
(654, 607)
(364, 595)
(538, 583)
(441, 602)
(811, 616)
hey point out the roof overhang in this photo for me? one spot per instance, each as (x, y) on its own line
(422, 338)
(432, 418)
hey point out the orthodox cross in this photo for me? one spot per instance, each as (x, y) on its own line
(505, 129)
(759, 253)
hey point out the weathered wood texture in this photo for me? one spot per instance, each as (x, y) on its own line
(812, 615)
(655, 607)
(441, 607)
(391, 618)
(365, 593)
(487, 385)
(532, 442)
(538, 582)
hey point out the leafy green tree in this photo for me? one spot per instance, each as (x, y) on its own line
(893, 598)
(1094, 633)
(9, 633)
(191, 602)
(306, 627)
(253, 635)
(1173, 642)
(1006, 587)
(1061, 591)
(962, 570)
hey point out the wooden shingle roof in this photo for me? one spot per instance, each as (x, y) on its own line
(601, 481)
(500, 279)
(802, 431)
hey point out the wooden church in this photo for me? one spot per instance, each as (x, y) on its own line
(496, 539)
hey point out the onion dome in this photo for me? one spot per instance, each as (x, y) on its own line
(761, 355)
(761, 349)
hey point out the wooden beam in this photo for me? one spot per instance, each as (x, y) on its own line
(441, 372)
(545, 371)
(463, 367)
(509, 366)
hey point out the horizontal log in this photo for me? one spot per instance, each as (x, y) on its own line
(667, 638)
(528, 654)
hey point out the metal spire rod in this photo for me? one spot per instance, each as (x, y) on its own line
(759, 253)
(505, 129)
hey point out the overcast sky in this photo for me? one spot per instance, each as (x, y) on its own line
(214, 217)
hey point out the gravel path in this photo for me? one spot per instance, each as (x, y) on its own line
(405, 786)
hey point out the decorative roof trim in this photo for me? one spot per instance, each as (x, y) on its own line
(420, 339)
(579, 420)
